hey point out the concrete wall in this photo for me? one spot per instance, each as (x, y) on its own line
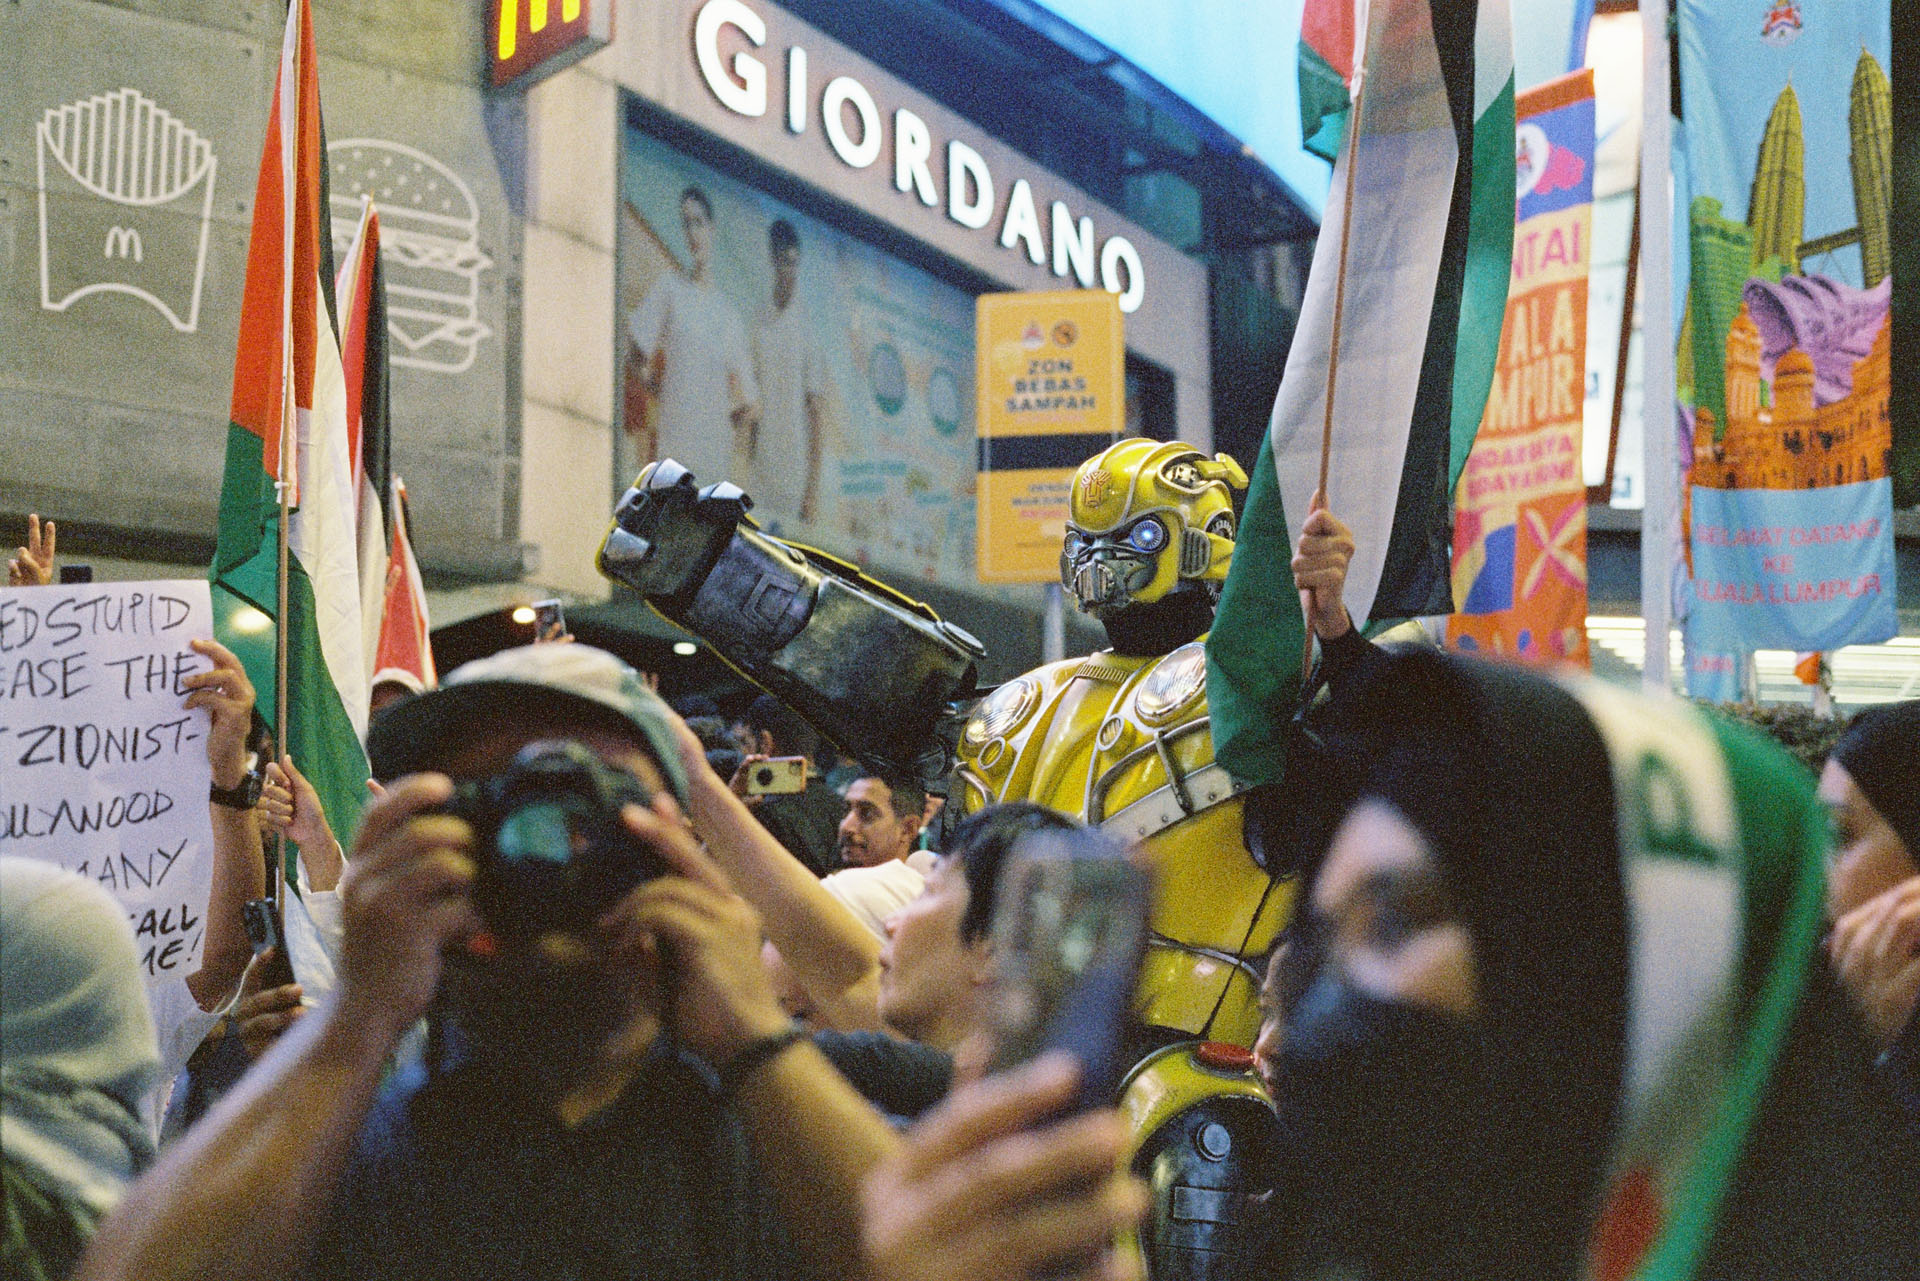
(111, 412)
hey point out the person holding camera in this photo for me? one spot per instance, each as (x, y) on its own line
(609, 1088)
(797, 806)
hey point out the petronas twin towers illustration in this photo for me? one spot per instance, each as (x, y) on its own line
(1776, 214)
(1790, 366)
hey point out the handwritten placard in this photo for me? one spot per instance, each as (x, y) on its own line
(102, 770)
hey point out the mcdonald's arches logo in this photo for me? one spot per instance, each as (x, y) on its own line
(529, 40)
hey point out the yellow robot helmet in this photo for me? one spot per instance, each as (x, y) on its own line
(1144, 517)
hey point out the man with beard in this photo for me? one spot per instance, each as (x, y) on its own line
(610, 1088)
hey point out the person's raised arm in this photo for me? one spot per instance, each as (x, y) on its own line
(823, 942)
(244, 1192)
(239, 873)
(815, 1138)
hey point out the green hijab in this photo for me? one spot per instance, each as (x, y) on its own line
(1643, 883)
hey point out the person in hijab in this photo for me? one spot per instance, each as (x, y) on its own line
(1551, 937)
(1830, 1186)
(1872, 785)
(79, 1060)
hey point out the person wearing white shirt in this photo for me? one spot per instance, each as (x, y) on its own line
(689, 351)
(783, 472)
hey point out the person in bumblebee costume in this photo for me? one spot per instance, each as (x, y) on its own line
(1120, 740)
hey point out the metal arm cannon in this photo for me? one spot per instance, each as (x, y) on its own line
(879, 674)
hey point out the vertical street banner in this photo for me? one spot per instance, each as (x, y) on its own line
(1050, 378)
(102, 770)
(1784, 359)
(1520, 510)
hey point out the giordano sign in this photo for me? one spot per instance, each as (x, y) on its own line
(729, 38)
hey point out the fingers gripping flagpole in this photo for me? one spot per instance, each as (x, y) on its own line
(1350, 144)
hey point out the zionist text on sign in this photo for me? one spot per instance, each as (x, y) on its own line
(1050, 377)
(1520, 523)
(102, 771)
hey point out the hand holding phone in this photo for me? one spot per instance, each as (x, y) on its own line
(549, 621)
(776, 776)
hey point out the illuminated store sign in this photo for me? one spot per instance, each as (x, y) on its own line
(860, 134)
(529, 40)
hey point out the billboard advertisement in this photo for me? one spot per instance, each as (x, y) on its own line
(830, 380)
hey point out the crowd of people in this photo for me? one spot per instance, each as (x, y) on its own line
(1577, 985)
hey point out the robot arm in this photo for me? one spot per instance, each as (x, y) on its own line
(880, 675)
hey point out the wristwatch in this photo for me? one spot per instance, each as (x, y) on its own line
(243, 797)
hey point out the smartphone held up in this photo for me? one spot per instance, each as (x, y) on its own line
(1070, 930)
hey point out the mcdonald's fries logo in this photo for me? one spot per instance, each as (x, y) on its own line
(528, 40)
(125, 193)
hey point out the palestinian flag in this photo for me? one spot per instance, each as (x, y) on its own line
(1722, 855)
(290, 426)
(404, 654)
(361, 289)
(1427, 253)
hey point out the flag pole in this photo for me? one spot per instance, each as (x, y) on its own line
(288, 436)
(1660, 519)
(1351, 144)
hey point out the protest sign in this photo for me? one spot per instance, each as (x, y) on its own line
(102, 771)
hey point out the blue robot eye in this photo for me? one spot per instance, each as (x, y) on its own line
(1074, 544)
(1148, 535)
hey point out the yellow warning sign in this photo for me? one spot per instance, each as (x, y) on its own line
(1050, 377)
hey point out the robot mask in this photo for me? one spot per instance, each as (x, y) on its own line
(1147, 518)
(1108, 572)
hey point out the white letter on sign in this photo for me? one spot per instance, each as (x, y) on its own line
(912, 145)
(965, 165)
(1071, 249)
(1118, 252)
(842, 90)
(748, 94)
(1023, 222)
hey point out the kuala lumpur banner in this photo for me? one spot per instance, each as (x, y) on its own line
(1784, 362)
(1520, 513)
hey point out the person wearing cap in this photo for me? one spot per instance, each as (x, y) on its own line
(621, 1097)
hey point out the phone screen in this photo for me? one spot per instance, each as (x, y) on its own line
(1070, 929)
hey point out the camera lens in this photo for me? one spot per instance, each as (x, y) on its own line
(763, 776)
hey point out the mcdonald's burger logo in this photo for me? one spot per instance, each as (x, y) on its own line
(1065, 333)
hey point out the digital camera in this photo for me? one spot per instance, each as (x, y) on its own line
(550, 849)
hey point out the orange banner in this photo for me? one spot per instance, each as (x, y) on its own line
(1520, 512)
